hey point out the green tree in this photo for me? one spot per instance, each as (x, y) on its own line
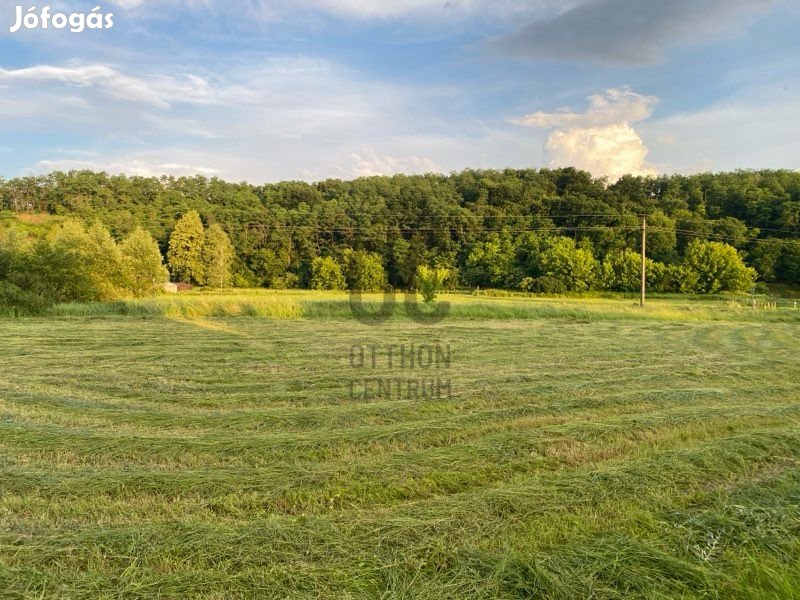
(363, 271)
(576, 268)
(492, 264)
(185, 254)
(719, 268)
(13, 246)
(104, 261)
(622, 271)
(271, 268)
(142, 263)
(326, 274)
(66, 266)
(764, 257)
(788, 266)
(430, 281)
(662, 240)
(218, 256)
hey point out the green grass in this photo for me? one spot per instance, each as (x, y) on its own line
(336, 305)
(208, 445)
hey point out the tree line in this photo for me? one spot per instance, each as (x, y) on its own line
(548, 230)
(70, 262)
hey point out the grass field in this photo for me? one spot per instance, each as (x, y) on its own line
(224, 446)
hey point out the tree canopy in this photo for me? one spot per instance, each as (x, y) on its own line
(548, 229)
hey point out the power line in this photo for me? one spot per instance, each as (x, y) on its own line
(732, 238)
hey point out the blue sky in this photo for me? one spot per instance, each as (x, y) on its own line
(263, 90)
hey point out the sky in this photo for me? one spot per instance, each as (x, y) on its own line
(269, 90)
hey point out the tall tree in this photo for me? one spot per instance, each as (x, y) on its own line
(142, 263)
(104, 261)
(218, 255)
(185, 254)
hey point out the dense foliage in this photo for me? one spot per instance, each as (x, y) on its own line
(70, 262)
(547, 231)
(430, 281)
(186, 244)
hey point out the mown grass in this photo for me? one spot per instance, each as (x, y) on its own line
(587, 449)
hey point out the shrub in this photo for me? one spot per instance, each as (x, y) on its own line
(543, 285)
(326, 274)
(576, 268)
(363, 272)
(719, 268)
(69, 264)
(17, 302)
(430, 281)
(622, 271)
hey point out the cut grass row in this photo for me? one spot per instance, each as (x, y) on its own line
(223, 457)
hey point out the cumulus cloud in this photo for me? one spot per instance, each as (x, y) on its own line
(612, 106)
(600, 140)
(611, 151)
(628, 31)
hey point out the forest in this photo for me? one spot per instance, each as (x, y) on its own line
(541, 231)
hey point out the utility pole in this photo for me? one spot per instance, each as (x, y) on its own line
(644, 260)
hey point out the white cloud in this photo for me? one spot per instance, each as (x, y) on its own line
(129, 166)
(610, 107)
(261, 120)
(360, 9)
(611, 151)
(156, 91)
(372, 164)
(752, 130)
(600, 140)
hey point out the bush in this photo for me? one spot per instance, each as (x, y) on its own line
(363, 272)
(543, 285)
(719, 268)
(576, 268)
(17, 302)
(680, 279)
(491, 264)
(326, 274)
(430, 281)
(70, 264)
(622, 271)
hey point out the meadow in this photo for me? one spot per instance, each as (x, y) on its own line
(220, 446)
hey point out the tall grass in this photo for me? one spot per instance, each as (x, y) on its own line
(322, 305)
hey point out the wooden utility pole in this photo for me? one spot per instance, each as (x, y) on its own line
(644, 260)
